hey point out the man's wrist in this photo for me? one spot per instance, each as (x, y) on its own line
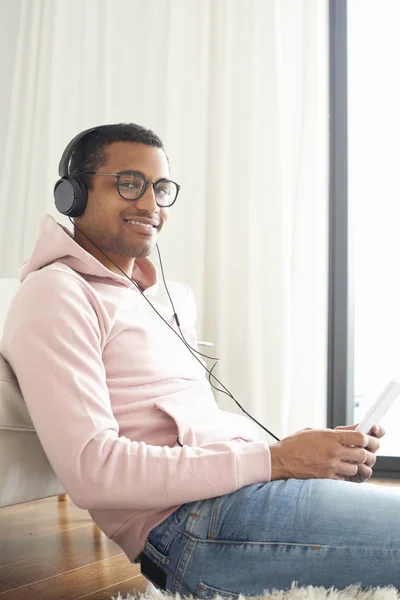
(277, 463)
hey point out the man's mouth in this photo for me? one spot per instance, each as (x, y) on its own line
(146, 225)
(141, 227)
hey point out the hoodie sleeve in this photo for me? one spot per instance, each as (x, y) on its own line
(53, 339)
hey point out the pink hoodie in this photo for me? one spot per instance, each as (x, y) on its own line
(110, 387)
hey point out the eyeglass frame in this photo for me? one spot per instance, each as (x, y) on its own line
(146, 184)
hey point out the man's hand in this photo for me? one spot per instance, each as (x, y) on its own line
(365, 470)
(340, 453)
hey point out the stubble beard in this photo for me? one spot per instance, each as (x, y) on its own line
(123, 248)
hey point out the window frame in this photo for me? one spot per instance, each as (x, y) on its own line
(340, 375)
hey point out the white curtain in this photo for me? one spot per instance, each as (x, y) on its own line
(238, 91)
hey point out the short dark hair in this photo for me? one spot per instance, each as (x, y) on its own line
(90, 153)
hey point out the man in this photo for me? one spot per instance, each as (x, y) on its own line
(127, 419)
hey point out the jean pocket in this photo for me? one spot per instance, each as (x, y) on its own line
(207, 592)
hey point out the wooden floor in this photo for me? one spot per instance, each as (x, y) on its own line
(51, 550)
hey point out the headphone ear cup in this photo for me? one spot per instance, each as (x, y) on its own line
(70, 195)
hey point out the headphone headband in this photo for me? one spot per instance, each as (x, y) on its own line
(71, 193)
(63, 167)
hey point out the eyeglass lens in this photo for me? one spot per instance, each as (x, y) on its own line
(131, 186)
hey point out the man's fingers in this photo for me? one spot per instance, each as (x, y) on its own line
(371, 460)
(373, 444)
(361, 440)
(359, 452)
(364, 473)
(346, 469)
(360, 456)
(346, 427)
(378, 431)
(357, 455)
(352, 438)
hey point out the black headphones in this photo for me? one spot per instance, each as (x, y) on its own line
(70, 193)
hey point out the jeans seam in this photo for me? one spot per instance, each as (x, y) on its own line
(182, 565)
(202, 587)
(156, 554)
(168, 542)
(197, 540)
(214, 518)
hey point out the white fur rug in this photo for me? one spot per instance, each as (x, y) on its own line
(295, 593)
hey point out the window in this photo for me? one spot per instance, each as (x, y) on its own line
(365, 214)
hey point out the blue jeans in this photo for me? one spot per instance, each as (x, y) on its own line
(316, 532)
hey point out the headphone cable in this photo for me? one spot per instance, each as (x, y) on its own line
(181, 337)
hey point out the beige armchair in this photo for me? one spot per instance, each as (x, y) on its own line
(25, 472)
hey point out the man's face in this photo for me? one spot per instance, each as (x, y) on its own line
(104, 220)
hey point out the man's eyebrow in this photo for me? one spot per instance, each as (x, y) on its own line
(138, 171)
(130, 171)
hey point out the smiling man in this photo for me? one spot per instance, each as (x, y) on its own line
(128, 420)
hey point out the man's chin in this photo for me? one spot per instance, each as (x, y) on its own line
(142, 251)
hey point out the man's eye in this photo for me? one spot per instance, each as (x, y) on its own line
(129, 185)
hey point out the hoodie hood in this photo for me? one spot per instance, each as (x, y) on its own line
(55, 243)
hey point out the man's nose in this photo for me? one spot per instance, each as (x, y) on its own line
(148, 201)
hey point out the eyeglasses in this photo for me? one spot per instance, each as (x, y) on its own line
(132, 185)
